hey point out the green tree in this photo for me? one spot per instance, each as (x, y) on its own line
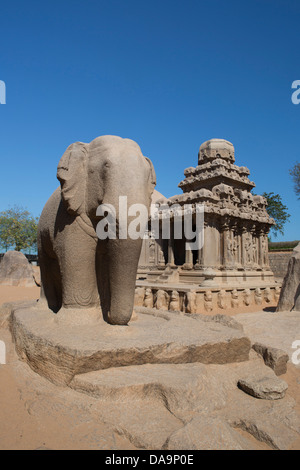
(295, 173)
(278, 211)
(18, 229)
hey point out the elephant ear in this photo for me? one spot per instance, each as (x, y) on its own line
(152, 176)
(71, 173)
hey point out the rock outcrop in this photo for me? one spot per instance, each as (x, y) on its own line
(15, 270)
(290, 293)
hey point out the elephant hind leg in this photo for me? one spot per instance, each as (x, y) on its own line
(51, 286)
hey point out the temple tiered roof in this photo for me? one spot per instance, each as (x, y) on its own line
(223, 187)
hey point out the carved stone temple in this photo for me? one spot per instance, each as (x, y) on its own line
(232, 269)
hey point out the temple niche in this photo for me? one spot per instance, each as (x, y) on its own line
(232, 266)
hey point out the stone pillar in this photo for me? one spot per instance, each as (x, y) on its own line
(265, 248)
(210, 254)
(188, 259)
(199, 263)
(200, 253)
(160, 254)
(171, 257)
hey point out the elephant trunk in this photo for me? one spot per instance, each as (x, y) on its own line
(123, 258)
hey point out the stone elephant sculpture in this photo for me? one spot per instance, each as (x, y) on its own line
(78, 270)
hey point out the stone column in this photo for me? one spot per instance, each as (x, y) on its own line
(265, 249)
(161, 264)
(206, 254)
(188, 259)
(171, 257)
(200, 252)
(199, 263)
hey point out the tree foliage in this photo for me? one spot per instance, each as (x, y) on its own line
(295, 174)
(278, 211)
(18, 229)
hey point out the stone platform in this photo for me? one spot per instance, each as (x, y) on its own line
(61, 346)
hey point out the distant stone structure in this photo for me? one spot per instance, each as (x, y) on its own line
(233, 264)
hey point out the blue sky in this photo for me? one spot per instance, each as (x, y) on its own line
(168, 74)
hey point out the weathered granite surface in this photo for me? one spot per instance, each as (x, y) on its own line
(160, 406)
(275, 358)
(265, 387)
(15, 270)
(290, 292)
(61, 346)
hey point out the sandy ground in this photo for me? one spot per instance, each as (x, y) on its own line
(32, 411)
(11, 293)
(37, 422)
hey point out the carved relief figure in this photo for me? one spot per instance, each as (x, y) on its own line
(151, 250)
(208, 302)
(161, 300)
(248, 249)
(190, 302)
(235, 250)
(265, 249)
(254, 251)
(234, 298)
(222, 299)
(174, 301)
(161, 258)
(148, 301)
(229, 250)
(268, 295)
(247, 297)
(258, 296)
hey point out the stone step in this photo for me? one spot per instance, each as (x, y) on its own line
(140, 381)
